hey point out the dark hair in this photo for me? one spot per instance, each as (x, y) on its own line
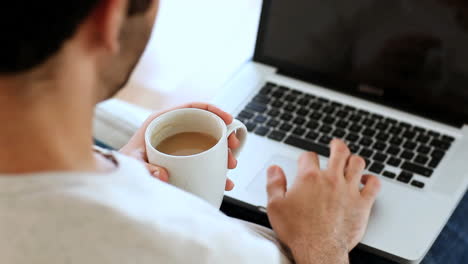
(33, 31)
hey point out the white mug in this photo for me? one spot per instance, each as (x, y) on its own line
(203, 174)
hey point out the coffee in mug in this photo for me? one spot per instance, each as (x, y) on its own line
(187, 144)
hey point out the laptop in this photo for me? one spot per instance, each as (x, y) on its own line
(390, 78)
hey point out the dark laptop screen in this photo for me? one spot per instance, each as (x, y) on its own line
(411, 54)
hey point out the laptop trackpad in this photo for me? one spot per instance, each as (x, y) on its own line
(257, 188)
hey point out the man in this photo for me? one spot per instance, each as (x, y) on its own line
(61, 202)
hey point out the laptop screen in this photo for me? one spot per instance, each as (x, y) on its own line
(410, 54)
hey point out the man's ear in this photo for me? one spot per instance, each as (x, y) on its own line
(107, 20)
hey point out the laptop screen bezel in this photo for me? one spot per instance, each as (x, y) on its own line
(291, 70)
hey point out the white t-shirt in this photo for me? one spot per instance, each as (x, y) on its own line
(121, 217)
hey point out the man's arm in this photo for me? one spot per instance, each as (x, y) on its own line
(324, 214)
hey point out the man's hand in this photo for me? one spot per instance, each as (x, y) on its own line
(324, 214)
(136, 146)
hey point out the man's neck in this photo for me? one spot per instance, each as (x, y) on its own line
(51, 131)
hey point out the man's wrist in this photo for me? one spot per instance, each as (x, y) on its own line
(322, 252)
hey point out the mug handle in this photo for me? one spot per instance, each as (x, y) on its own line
(241, 132)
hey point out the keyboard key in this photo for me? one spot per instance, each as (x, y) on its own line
(392, 150)
(296, 92)
(354, 148)
(440, 144)
(424, 149)
(350, 108)
(434, 134)
(263, 99)
(323, 100)
(383, 136)
(290, 108)
(410, 145)
(380, 146)
(262, 131)
(267, 89)
(329, 120)
(250, 126)
(405, 177)
(395, 162)
(302, 112)
(326, 129)
(434, 162)
(325, 140)
(396, 141)
(355, 118)
(363, 112)
(369, 132)
(286, 127)
(388, 174)
(352, 137)
(246, 114)
(408, 155)
(316, 106)
(448, 138)
(286, 116)
(277, 104)
(329, 109)
(273, 123)
(366, 142)
(336, 104)
(395, 130)
(419, 129)
(366, 153)
(391, 120)
(312, 135)
(342, 124)
(260, 108)
(368, 122)
(274, 112)
(380, 157)
(423, 139)
(299, 120)
(377, 167)
(308, 145)
(421, 159)
(409, 134)
(382, 126)
(417, 169)
(355, 128)
(299, 131)
(316, 116)
(417, 184)
(377, 116)
(312, 125)
(290, 98)
(260, 119)
(283, 88)
(405, 125)
(339, 133)
(438, 154)
(277, 94)
(303, 101)
(342, 114)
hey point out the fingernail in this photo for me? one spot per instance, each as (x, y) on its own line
(156, 173)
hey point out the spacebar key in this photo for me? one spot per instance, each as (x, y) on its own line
(308, 146)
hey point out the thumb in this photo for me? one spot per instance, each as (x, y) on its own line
(371, 188)
(158, 172)
(276, 183)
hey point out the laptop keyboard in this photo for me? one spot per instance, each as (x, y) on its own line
(310, 122)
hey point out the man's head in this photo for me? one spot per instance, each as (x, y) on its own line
(40, 38)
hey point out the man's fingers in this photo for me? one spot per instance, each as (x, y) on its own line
(158, 172)
(233, 141)
(211, 108)
(371, 188)
(232, 161)
(339, 156)
(276, 183)
(309, 161)
(229, 185)
(354, 169)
